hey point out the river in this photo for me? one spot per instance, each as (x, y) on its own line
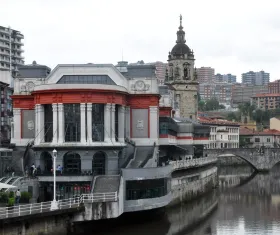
(245, 204)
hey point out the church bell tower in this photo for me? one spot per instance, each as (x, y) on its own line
(181, 75)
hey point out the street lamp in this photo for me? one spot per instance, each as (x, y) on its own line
(54, 205)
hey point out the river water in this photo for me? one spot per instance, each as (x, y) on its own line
(245, 204)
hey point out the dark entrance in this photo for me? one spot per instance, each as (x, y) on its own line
(72, 163)
(98, 163)
(47, 159)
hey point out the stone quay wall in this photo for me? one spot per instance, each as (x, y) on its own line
(54, 225)
(191, 186)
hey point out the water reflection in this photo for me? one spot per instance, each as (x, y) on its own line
(247, 204)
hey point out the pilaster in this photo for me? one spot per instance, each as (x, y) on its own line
(89, 123)
(55, 126)
(154, 122)
(127, 121)
(113, 132)
(107, 123)
(60, 123)
(83, 123)
(17, 124)
(37, 124)
(121, 126)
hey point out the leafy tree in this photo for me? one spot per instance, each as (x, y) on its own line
(201, 105)
(212, 104)
(221, 106)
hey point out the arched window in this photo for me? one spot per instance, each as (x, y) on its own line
(98, 163)
(72, 163)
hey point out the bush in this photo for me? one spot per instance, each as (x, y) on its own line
(25, 197)
(12, 194)
(3, 197)
(11, 201)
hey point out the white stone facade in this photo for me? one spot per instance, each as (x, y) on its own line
(222, 136)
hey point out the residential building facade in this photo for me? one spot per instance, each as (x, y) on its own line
(255, 139)
(222, 91)
(10, 50)
(256, 78)
(242, 93)
(274, 123)
(223, 133)
(229, 78)
(274, 87)
(266, 101)
(205, 74)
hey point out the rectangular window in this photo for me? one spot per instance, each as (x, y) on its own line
(268, 140)
(98, 122)
(48, 122)
(72, 117)
(257, 140)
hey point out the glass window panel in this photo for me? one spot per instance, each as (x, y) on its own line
(72, 122)
(86, 79)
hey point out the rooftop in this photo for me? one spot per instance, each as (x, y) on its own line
(266, 95)
(247, 131)
(216, 121)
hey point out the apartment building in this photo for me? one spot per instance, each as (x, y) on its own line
(205, 74)
(274, 87)
(10, 50)
(266, 101)
(255, 78)
(242, 93)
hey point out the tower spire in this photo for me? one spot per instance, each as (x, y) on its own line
(181, 22)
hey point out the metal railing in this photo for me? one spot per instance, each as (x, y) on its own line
(43, 207)
(182, 164)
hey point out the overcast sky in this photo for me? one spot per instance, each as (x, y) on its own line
(230, 36)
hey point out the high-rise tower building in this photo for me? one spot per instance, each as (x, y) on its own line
(10, 50)
(181, 75)
(205, 74)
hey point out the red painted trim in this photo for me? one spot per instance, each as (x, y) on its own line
(163, 136)
(77, 90)
(184, 137)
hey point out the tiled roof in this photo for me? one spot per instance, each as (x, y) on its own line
(266, 95)
(215, 121)
(247, 131)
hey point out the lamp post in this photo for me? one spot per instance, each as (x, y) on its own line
(54, 205)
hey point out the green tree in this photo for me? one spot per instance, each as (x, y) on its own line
(201, 105)
(212, 104)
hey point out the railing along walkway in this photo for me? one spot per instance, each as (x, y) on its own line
(43, 207)
(183, 164)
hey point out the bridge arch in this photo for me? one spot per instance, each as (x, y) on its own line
(240, 157)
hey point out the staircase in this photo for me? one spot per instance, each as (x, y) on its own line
(141, 157)
(106, 184)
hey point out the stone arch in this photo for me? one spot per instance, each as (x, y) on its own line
(99, 163)
(243, 158)
(72, 163)
(46, 162)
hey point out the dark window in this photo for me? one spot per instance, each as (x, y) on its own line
(72, 163)
(257, 140)
(48, 113)
(97, 122)
(268, 140)
(163, 128)
(72, 122)
(141, 189)
(98, 163)
(86, 79)
(116, 123)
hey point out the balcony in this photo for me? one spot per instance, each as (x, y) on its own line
(65, 176)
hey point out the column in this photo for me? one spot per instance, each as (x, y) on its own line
(55, 130)
(37, 124)
(89, 123)
(41, 119)
(107, 122)
(60, 123)
(154, 122)
(113, 132)
(83, 123)
(121, 117)
(17, 124)
(127, 134)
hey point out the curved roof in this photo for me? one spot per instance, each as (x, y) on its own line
(180, 48)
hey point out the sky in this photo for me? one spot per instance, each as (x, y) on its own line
(230, 36)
